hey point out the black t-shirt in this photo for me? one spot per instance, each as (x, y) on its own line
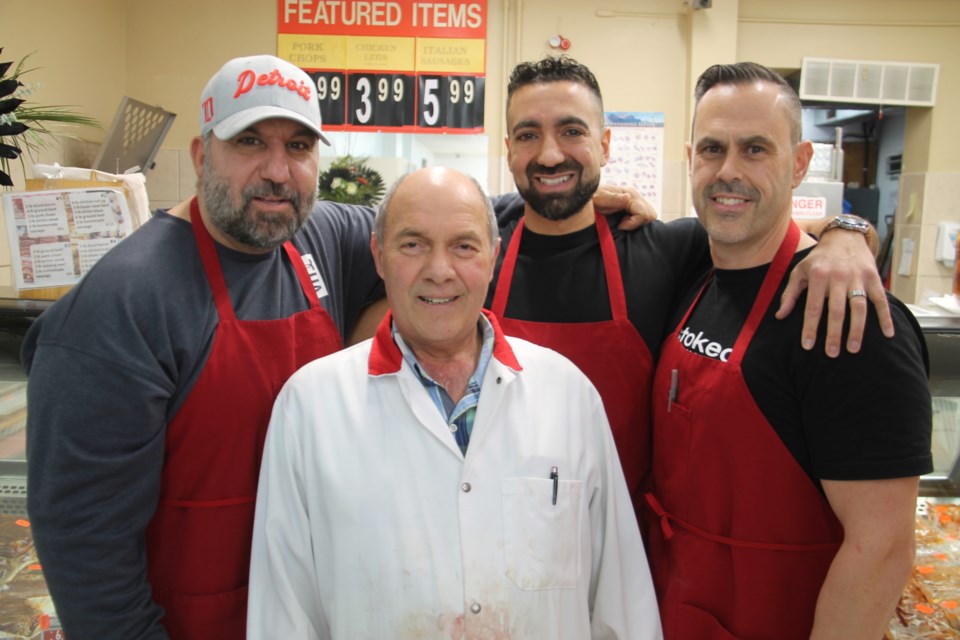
(855, 417)
(561, 278)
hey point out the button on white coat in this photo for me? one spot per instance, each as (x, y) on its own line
(475, 607)
(465, 487)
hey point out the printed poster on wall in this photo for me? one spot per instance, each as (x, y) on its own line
(636, 153)
(396, 66)
(57, 236)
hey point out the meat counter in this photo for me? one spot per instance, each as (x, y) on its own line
(930, 605)
(26, 611)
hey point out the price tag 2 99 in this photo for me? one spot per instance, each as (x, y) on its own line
(332, 94)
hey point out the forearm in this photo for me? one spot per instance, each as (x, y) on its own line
(91, 497)
(871, 568)
(818, 227)
(860, 593)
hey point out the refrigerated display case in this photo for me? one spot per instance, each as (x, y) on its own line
(930, 605)
(26, 610)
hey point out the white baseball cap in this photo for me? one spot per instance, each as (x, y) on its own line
(247, 90)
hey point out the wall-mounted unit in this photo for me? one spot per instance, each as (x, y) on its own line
(865, 82)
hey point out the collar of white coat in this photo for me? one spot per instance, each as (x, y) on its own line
(385, 356)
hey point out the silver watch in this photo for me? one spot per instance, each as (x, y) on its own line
(848, 222)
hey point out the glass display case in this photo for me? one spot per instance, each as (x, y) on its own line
(930, 606)
(26, 610)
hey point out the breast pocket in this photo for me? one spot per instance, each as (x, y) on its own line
(542, 540)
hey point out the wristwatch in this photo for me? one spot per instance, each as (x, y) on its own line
(848, 222)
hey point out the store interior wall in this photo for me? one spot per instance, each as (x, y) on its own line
(646, 56)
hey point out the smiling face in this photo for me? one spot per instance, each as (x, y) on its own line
(257, 188)
(743, 169)
(436, 259)
(556, 146)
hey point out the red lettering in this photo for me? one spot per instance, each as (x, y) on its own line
(207, 107)
(244, 83)
(247, 80)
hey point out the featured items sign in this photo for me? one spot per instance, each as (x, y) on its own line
(398, 65)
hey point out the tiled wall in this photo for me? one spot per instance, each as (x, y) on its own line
(172, 178)
(926, 199)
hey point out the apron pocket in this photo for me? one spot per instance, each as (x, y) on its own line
(541, 541)
(201, 617)
(693, 622)
(203, 548)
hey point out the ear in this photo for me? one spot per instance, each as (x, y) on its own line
(506, 142)
(197, 155)
(689, 147)
(801, 161)
(605, 145)
(377, 257)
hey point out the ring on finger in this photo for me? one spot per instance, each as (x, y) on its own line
(856, 292)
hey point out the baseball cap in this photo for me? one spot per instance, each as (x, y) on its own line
(247, 90)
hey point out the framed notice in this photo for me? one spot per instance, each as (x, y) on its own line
(397, 66)
(57, 236)
(636, 154)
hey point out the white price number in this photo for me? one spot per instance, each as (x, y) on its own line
(468, 88)
(431, 103)
(328, 88)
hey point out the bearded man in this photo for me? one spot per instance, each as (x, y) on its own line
(151, 382)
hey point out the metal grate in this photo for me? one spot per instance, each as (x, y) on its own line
(134, 138)
(13, 496)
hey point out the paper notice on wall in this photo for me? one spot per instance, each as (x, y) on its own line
(636, 154)
(906, 257)
(57, 236)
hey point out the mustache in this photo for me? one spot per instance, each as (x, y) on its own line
(731, 188)
(566, 165)
(269, 188)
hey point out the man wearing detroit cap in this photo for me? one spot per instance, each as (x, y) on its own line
(151, 382)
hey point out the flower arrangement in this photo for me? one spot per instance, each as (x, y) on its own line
(22, 125)
(350, 181)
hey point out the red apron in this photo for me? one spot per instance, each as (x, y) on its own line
(744, 538)
(198, 543)
(610, 352)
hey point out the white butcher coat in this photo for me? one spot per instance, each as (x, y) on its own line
(370, 524)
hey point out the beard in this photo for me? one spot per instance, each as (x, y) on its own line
(241, 222)
(558, 206)
(719, 230)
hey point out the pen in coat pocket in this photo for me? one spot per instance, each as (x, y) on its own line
(555, 476)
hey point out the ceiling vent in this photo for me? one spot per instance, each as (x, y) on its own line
(863, 82)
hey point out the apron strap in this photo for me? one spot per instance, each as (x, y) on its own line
(666, 518)
(611, 265)
(211, 264)
(778, 269)
(500, 296)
